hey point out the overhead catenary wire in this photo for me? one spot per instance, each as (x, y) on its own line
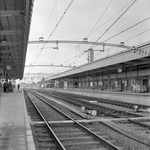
(76, 57)
(99, 18)
(55, 27)
(127, 29)
(133, 37)
(109, 19)
(73, 59)
(45, 29)
(70, 52)
(58, 22)
(112, 24)
(69, 59)
(49, 17)
(137, 35)
(84, 52)
(103, 13)
(67, 54)
(96, 41)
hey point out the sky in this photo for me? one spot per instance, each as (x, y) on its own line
(77, 23)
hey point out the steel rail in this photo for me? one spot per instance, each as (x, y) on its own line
(113, 109)
(106, 113)
(75, 112)
(139, 123)
(58, 142)
(110, 124)
(128, 105)
(96, 136)
(88, 104)
(52, 106)
(130, 136)
(101, 139)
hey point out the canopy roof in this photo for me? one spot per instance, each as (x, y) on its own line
(137, 56)
(15, 19)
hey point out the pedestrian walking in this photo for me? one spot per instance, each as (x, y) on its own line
(18, 86)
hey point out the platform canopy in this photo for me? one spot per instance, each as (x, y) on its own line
(133, 57)
(15, 19)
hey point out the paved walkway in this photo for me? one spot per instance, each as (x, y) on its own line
(15, 132)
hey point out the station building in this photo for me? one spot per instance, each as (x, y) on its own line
(124, 76)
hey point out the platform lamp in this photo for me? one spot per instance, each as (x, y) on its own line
(4, 40)
(119, 70)
(122, 43)
(41, 38)
(85, 39)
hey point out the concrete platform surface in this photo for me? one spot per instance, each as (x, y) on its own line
(15, 131)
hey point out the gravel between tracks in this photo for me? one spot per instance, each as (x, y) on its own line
(128, 143)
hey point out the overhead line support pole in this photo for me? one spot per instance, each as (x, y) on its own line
(80, 42)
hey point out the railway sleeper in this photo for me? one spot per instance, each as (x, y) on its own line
(47, 145)
(54, 148)
(65, 130)
(67, 138)
(73, 138)
(42, 130)
(45, 139)
(99, 149)
(43, 135)
(81, 143)
(52, 145)
(80, 134)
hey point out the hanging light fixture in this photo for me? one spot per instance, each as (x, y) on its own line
(4, 40)
(41, 38)
(122, 43)
(85, 39)
(119, 70)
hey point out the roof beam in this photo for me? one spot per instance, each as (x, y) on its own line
(8, 32)
(4, 13)
(9, 57)
(10, 60)
(10, 43)
(11, 51)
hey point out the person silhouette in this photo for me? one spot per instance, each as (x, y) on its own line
(18, 86)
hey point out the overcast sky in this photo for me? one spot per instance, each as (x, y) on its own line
(77, 23)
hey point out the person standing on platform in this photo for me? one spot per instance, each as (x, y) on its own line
(5, 86)
(18, 86)
(10, 87)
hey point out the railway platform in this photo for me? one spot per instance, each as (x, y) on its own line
(15, 131)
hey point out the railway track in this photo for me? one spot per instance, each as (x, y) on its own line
(77, 133)
(130, 106)
(105, 101)
(103, 110)
(136, 126)
(61, 136)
